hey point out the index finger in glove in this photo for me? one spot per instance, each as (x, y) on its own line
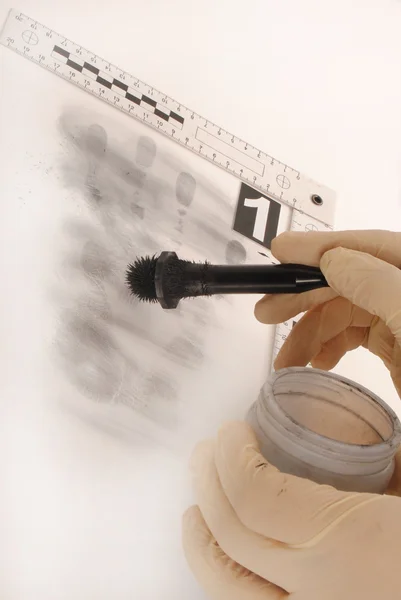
(281, 507)
(368, 282)
(308, 248)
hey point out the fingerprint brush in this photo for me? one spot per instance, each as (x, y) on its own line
(167, 279)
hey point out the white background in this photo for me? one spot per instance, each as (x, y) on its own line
(316, 84)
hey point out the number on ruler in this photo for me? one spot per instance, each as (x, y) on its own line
(257, 216)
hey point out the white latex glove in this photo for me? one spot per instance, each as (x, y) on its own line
(260, 534)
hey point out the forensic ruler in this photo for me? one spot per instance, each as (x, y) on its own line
(312, 204)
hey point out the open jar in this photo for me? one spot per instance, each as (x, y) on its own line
(326, 428)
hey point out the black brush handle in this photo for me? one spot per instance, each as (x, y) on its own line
(252, 279)
(176, 279)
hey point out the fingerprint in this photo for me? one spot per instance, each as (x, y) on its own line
(96, 144)
(185, 352)
(91, 360)
(96, 140)
(235, 253)
(95, 262)
(160, 395)
(185, 188)
(137, 210)
(145, 152)
(160, 386)
(95, 305)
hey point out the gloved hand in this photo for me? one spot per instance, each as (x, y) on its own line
(258, 534)
(362, 308)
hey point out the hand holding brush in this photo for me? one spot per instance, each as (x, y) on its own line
(167, 279)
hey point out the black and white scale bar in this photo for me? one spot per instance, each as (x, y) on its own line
(119, 87)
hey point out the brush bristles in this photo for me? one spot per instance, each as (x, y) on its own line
(179, 279)
(140, 278)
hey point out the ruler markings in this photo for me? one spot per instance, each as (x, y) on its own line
(156, 109)
(230, 151)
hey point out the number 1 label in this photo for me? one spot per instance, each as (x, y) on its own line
(262, 213)
(257, 216)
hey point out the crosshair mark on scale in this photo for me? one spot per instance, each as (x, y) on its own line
(30, 37)
(283, 181)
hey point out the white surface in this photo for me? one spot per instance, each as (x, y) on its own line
(83, 513)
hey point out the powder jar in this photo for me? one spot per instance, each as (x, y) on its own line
(326, 428)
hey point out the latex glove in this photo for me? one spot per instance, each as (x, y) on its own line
(362, 308)
(258, 534)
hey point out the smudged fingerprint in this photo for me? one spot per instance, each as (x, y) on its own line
(91, 359)
(185, 186)
(93, 305)
(96, 144)
(199, 311)
(137, 210)
(185, 351)
(235, 253)
(127, 171)
(154, 397)
(95, 264)
(161, 396)
(145, 152)
(145, 155)
(185, 189)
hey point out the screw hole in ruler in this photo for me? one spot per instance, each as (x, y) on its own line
(316, 199)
